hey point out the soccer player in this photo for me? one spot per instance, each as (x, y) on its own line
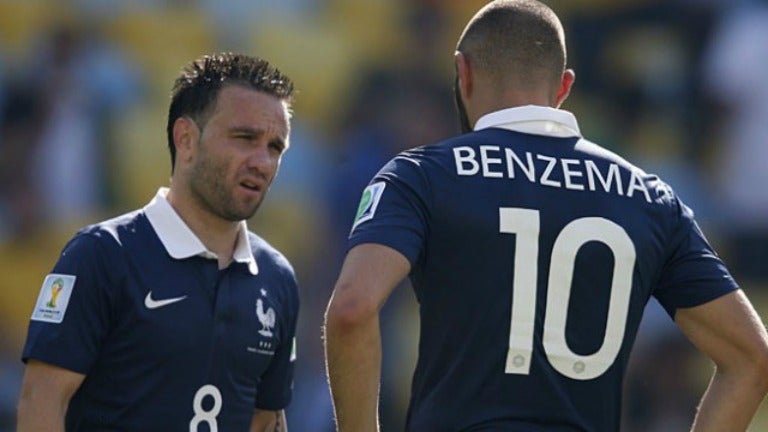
(532, 252)
(175, 317)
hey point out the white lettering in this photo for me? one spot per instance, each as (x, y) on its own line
(568, 174)
(487, 161)
(512, 159)
(547, 171)
(613, 175)
(468, 157)
(577, 174)
(636, 183)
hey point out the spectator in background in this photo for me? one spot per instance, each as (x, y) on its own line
(733, 68)
(67, 160)
(21, 121)
(83, 85)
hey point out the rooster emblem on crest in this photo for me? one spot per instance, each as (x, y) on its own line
(266, 318)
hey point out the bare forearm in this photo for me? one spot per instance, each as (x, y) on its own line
(353, 339)
(268, 421)
(730, 402)
(280, 424)
(45, 394)
(729, 331)
(354, 369)
(39, 416)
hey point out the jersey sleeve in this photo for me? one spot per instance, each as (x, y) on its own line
(275, 387)
(67, 329)
(394, 209)
(693, 274)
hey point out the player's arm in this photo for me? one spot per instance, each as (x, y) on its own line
(352, 337)
(268, 421)
(730, 332)
(45, 394)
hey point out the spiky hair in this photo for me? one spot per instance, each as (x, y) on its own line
(195, 91)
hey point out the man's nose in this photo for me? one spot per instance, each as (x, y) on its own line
(260, 157)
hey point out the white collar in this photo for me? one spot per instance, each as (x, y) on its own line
(532, 119)
(181, 242)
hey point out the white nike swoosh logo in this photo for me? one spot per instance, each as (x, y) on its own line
(150, 303)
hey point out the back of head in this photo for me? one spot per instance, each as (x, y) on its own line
(196, 89)
(515, 44)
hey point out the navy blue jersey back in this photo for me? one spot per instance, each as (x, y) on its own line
(169, 344)
(533, 258)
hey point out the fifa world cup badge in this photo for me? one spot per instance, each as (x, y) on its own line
(368, 203)
(54, 298)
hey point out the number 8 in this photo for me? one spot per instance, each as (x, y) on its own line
(202, 415)
(524, 223)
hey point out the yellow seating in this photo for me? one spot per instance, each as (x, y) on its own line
(161, 39)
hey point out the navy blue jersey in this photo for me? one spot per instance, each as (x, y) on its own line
(166, 343)
(533, 257)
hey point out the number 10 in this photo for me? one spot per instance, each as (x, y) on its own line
(524, 223)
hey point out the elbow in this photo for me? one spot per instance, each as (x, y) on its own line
(348, 310)
(759, 364)
(757, 378)
(761, 368)
(752, 367)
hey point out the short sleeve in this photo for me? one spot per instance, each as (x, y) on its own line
(73, 340)
(275, 387)
(394, 209)
(693, 274)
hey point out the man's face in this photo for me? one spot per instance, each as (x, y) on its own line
(460, 108)
(238, 152)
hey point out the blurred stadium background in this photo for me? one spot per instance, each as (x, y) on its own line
(675, 85)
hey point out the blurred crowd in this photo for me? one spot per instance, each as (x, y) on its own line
(676, 86)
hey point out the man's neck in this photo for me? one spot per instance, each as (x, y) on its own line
(217, 235)
(488, 100)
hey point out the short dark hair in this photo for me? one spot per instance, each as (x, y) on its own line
(195, 91)
(520, 40)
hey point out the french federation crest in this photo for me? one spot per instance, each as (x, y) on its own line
(266, 318)
(368, 203)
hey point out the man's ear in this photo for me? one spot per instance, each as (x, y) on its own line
(464, 74)
(185, 135)
(566, 82)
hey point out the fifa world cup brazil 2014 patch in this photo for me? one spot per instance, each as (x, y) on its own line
(54, 298)
(368, 203)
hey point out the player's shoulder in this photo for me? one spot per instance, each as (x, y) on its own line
(657, 191)
(425, 158)
(596, 151)
(443, 150)
(109, 234)
(275, 266)
(266, 254)
(442, 147)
